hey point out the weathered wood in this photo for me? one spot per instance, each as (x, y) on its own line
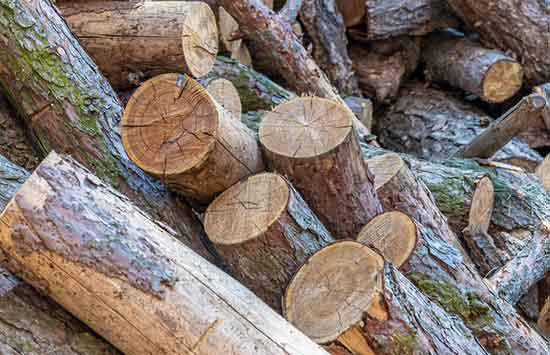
(67, 105)
(517, 26)
(236, 47)
(264, 231)
(353, 11)
(543, 172)
(362, 108)
(312, 142)
(488, 73)
(126, 276)
(544, 318)
(225, 93)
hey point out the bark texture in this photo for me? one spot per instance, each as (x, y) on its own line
(127, 276)
(68, 106)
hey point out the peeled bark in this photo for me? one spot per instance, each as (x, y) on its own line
(127, 277)
(264, 231)
(67, 105)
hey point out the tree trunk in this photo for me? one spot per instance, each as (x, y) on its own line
(347, 293)
(130, 41)
(127, 277)
(174, 130)
(490, 74)
(311, 141)
(264, 231)
(517, 26)
(68, 106)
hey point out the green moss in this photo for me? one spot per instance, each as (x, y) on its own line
(250, 100)
(404, 345)
(450, 203)
(89, 124)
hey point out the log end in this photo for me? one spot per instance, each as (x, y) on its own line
(200, 40)
(226, 94)
(330, 293)
(502, 81)
(481, 209)
(384, 168)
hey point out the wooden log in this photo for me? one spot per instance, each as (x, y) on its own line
(543, 172)
(517, 27)
(362, 108)
(67, 105)
(393, 18)
(127, 277)
(236, 47)
(264, 231)
(311, 141)
(490, 74)
(353, 11)
(346, 293)
(544, 318)
(544, 90)
(132, 41)
(173, 129)
(225, 94)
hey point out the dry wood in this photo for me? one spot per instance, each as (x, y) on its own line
(226, 94)
(332, 298)
(490, 74)
(353, 11)
(544, 90)
(362, 108)
(173, 129)
(264, 231)
(543, 172)
(311, 141)
(125, 275)
(236, 47)
(544, 318)
(130, 41)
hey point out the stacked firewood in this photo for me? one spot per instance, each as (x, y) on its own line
(360, 177)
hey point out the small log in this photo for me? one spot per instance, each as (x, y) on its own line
(225, 94)
(311, 141)
(264, 231)
(345, 293)
(173, 129)
(353, 11)
(544, 90)
(392, 18)
(544, 318)
(543, 172)
(362, 108)
(236, 47)
(127, 277)
(490, 74)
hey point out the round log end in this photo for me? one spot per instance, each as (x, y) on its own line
(200, 40)
(226, 94)
(333, 289)
(502, 81)
(481, 209)
(393, 234)
(247, 209)
(384, 168)
(305, 127)
(169, 125)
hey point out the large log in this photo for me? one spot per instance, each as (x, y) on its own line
(312, 142)
(126, 276)
(517, 26)
(67, 105)
(264, 231)
(130, 41)
(347, 293)
(174, 129)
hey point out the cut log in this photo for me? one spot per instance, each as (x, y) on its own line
(353, 11)
(543, 172)
(490, 74)
(391, 18)
(127, 277)
(537, 133)
(225, 93)
(544, 90)
(501, 131)
(236, 47)
(362, 109)
(433, 125)
(264, 231)
(544, 318)
(311, 141)
(67, 105)
(332, 298)
(173, 129)
(132, 41)
(519, 27)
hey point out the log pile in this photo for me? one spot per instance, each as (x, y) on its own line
(358, 178)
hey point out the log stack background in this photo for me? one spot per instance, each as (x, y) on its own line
(275, 177)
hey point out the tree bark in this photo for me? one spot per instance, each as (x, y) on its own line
(127, 277)
(520, 27)
(490, 74)
(264, 231)
(311, 141)
(68, 106)
(544, 318)
(543, 173)
(128, 45)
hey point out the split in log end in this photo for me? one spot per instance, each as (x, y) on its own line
(502, 81)
(226, 94)
(200, 40)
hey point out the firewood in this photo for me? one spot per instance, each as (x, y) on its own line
(490, 74)
(131, 41)
(332, 299)
(544, 90)
(226, 94)
(312, 142)
(173, 129)
(67, 105)
(127, 277)
(228, 27)
(543, 172)
(264, 231)
(537, 133)
(353, 11)
(544, 318)
(362, 108)
(529, 40)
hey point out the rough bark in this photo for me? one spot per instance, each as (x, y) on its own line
(543, 173)
(433, 125)
(391, 18)
(537, 134)
(490, 74)
(264, 231)
(128, 44)
(68, 106)
(127, 277)
(517, 26)
(362, 108)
